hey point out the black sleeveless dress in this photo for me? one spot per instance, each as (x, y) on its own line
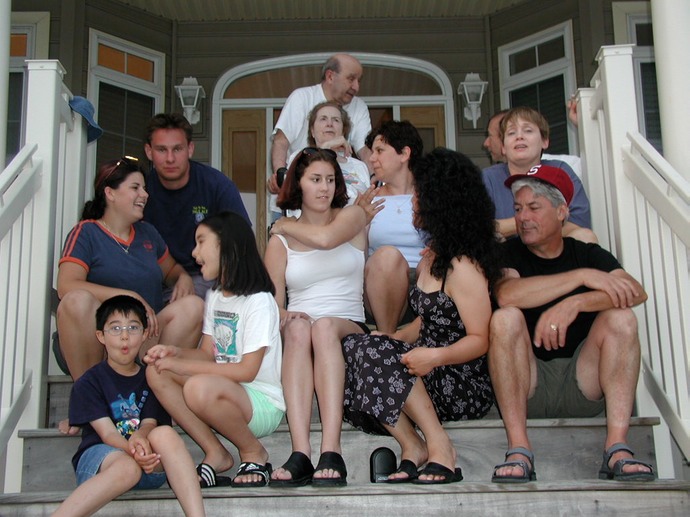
(377, 383)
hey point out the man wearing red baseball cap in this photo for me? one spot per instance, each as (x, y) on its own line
(564, 342)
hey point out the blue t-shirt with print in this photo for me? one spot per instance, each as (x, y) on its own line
(102, 392)
(176, 213)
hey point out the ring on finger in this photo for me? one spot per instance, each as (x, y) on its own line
(554, 327)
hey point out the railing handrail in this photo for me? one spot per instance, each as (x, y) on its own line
(15, 167)
(676, 182)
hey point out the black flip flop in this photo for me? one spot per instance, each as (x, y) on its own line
(406, 467)
(381, 465)
(331, 460)
(436, 469)
(299, 465)
(208, 476)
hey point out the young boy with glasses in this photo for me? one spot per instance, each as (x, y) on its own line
(123, 446)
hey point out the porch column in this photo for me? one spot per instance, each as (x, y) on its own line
(5, 25)
(670, 22)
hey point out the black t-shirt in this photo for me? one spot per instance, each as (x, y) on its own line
(576, 255)
(102, 392)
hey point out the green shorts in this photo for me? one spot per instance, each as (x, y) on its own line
(557, 394)
(265, 416)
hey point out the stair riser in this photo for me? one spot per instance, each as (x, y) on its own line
(561, 452)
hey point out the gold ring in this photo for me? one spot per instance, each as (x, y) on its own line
(554, 327)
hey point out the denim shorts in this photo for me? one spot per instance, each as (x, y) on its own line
(92, 458)
(265, 416)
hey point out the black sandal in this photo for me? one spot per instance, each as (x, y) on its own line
(334, 461)
(209, 478)
(300, 467)
(406, 467)
(246, 468)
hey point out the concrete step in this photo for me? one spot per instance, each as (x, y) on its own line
(565, 450)
(541, 498)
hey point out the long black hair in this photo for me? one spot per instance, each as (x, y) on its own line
(242, 272)
(455, 212)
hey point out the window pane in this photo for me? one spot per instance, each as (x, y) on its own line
(523, 60)
(14, 115)
(139, 67)
(650, 101)
(551, 50)
(123, 115)
(376, 81)
(547, 97)
(19, 45)
(643, 35)
(244, 164)
(111, 58)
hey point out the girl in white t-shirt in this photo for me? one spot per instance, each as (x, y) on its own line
(231, 383)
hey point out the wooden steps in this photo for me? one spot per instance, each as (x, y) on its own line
(567, 460)
(610, 498)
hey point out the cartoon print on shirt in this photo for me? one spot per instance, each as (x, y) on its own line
(225, 337)
(126, 413)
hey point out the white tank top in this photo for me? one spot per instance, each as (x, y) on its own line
(325, 283)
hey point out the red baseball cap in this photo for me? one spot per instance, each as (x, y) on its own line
(551, 175)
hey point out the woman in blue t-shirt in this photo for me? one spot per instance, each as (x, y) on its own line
(110, 252)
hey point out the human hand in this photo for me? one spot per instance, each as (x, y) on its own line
(420, 361)
(272, 184)
(152, 328)
(338, 143)
(140, 449)
(572, 109)
(371, 207)
(293, 315)
(159, 352)
(278, 227)
(183, 287)
(622, 291)
(552, 327)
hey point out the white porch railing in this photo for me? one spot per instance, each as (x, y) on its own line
(41, 192)
(641, 209)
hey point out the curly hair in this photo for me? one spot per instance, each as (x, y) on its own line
(455, 213)
(399, 134)
(290, 195)
(110, 174)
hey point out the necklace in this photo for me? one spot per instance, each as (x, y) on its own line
(112, 234)
(400, 206)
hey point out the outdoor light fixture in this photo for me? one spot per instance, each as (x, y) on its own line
(472, 89)
(189, 93)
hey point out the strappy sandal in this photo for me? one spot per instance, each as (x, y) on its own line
(528, 473)
(334, 461)
(246, 468)
(300, 467)
(616, 472)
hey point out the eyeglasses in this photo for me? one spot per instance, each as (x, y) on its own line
(131, 161)
(310, 151)
(132, 330)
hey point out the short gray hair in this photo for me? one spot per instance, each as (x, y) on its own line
(540, 188)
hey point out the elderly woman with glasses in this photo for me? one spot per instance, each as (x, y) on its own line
(112, 251)
(316, 263)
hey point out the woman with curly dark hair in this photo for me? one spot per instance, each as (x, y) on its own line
(446, 345)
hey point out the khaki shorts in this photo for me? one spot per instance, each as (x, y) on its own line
(557, 394)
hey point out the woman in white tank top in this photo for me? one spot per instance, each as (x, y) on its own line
(316, 263)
